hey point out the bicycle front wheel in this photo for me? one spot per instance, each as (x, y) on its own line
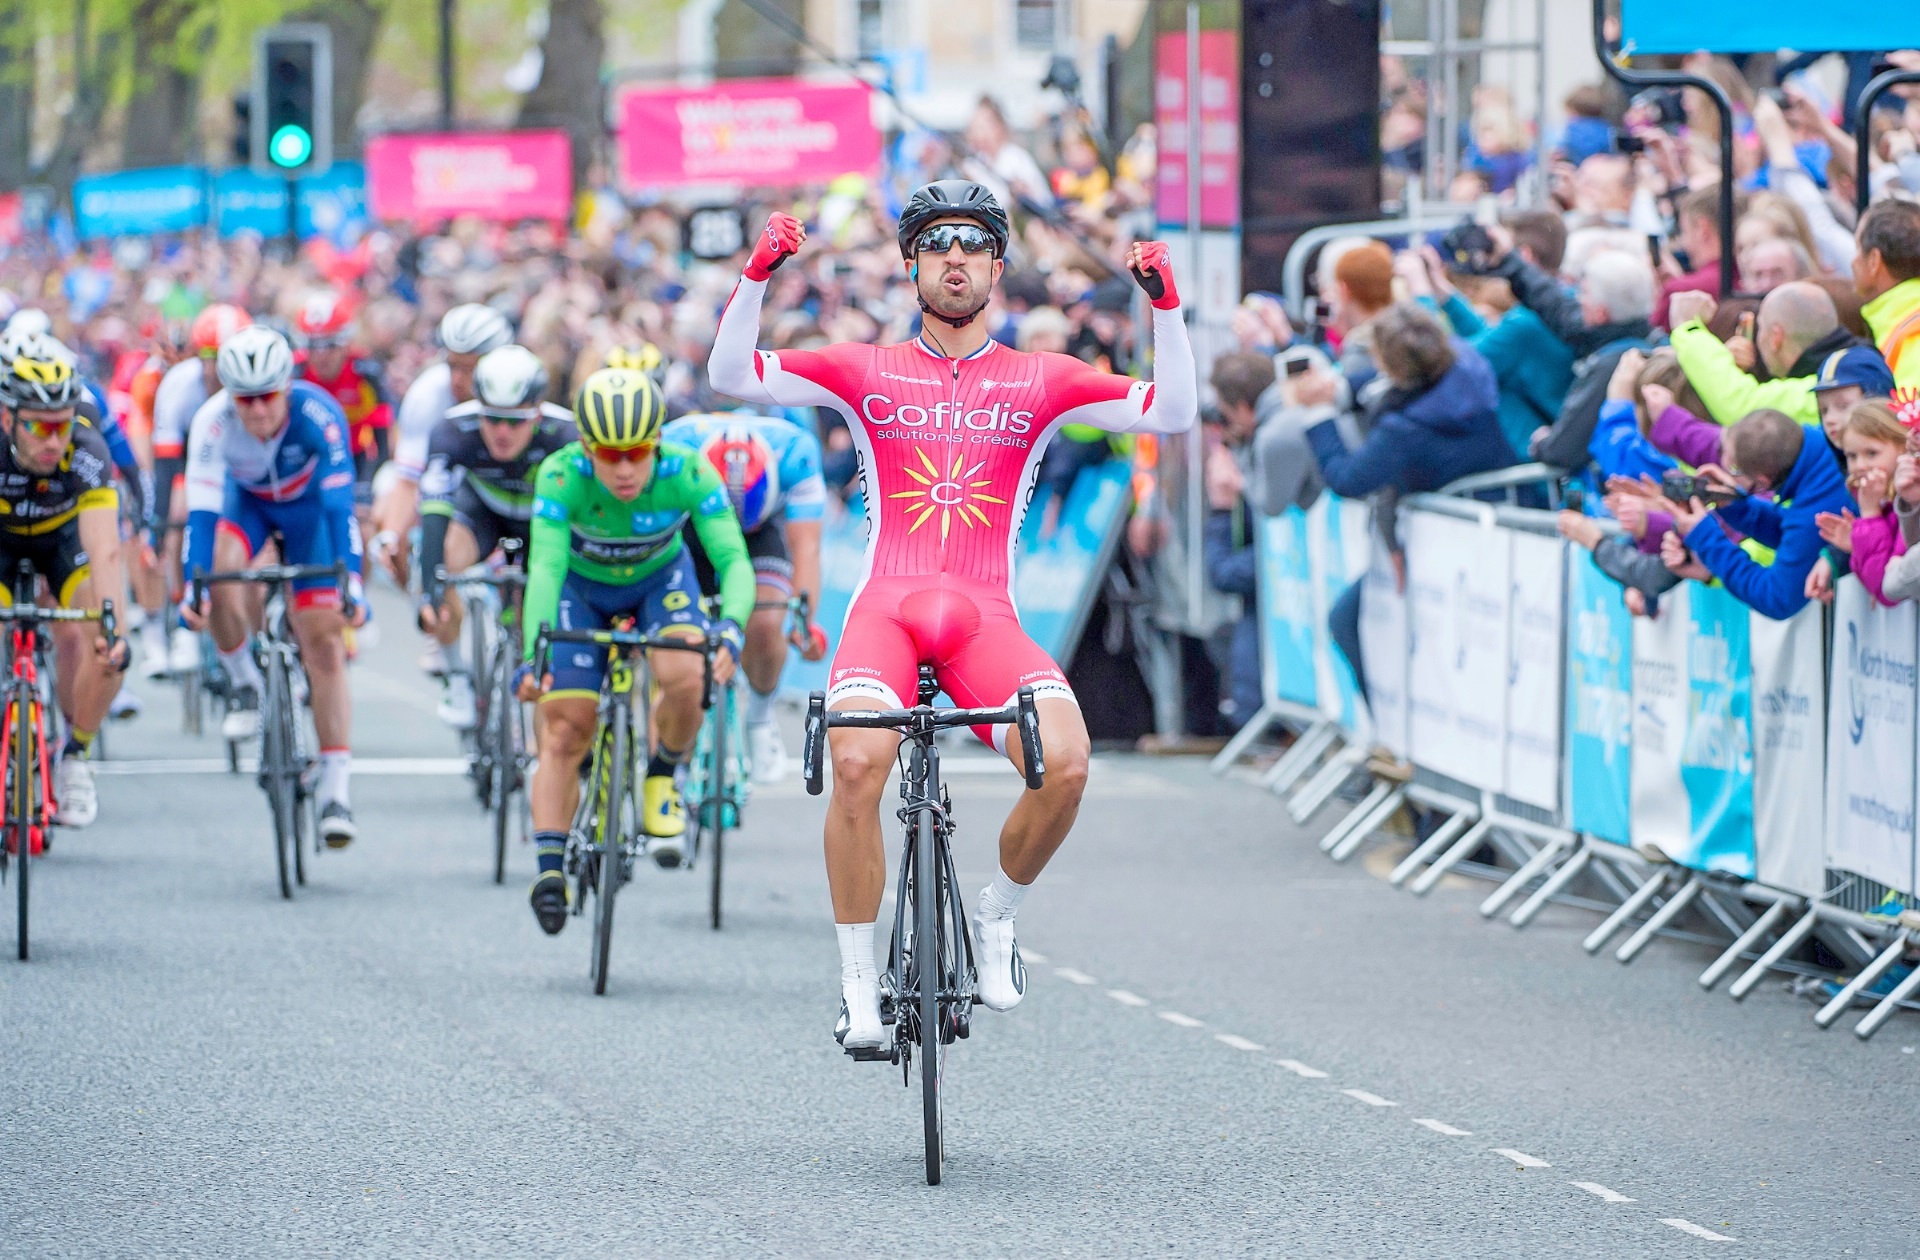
(613, 776)
(717, 788)
(276, 768)
(20, 810)
(927, 962)
(502, 753)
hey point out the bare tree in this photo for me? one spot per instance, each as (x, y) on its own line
(569, 94)
(356, 27)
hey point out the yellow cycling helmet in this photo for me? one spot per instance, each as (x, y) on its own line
(645, 357)
(619, 408)
(42, 382)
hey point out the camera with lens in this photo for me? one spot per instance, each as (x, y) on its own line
(1661, 107)
(1467, 248)
(1684, 488)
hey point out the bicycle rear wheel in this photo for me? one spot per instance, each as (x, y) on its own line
(276, 771)
(502, 752)
(612, 778)
(20, 811)
(927, 963)
(717, 787)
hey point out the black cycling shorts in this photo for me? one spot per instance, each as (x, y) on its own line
(56, 556)
(768, 548)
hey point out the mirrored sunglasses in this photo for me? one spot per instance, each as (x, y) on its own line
(941, 238)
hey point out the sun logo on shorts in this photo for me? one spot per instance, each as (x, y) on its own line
(952, 493)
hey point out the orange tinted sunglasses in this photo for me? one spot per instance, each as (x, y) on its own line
(634, 454)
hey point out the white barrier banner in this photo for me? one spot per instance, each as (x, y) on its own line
(1337, 544)
(1662, 818)
(1789, 804)
(1457, 596)
(1384, 649)
(1535, 679)
(1870, 738)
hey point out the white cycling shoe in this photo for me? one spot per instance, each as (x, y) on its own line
(860, 1027)
(242, 722)
(456, 702)
(183, 651)
(154, 657)
(768, 752)
(1001, 978)
(126, 703)
(73, 788)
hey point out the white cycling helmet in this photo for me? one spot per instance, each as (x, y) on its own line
(474, 329)
(30, 321)
(255, 360)
(511, 381)
(38, 346)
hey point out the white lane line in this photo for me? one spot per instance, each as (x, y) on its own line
(1698, 1231)
(1300, 1069)
(1030, 956)
(365, 767)
(1439, 1127)
(1125, 998)
(1074, 977)
(1595, 1188)
(1236, 1041)
(1184, 1021)
(1521, 1157)
(1372, 1100)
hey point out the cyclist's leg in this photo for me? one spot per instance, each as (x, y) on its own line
(669, 604)
(877, 666)
(471, 537)
(87, 683)
(766, 651)
(319, 626)
(567, 716)
(233, 609)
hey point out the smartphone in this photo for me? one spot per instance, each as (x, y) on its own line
(1653, 250)
(1297, 367)
(1745, 327)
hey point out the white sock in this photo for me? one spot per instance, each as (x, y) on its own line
(1001, 899)
(856, 952)
(759, 707)
(242, 669)
(336, 767)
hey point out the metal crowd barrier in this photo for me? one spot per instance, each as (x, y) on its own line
(1709, 775)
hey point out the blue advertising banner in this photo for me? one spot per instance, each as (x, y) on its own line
(332, 205)
(1716, 760)
(136, 203)
(1659, 26)
(1599, 701)
(1338, 550)
(1286, 608)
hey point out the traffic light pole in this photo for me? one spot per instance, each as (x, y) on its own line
(446, 65)
(293, 217)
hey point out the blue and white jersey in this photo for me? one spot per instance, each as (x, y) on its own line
(305, 469)
(770, 466)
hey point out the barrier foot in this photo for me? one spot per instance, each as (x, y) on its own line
(1548, 891)
(1297, 760)
(1373, 822)
(1442, 836)
(1256, 726)
(1320, 789)
(1451, 858)
(1635, 902)
(1659, 919)
(1761, 926)
(1888, 1005)
(1788, 942)
(1355, 816)
(1868, 974)
(1529, 869)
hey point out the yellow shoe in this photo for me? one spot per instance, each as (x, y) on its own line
(663, 815)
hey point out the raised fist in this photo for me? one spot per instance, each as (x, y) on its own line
(776, 244)
(1153, 270)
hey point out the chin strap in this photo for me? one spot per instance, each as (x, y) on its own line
(956, 321)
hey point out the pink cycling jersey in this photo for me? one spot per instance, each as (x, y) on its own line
(949, 454)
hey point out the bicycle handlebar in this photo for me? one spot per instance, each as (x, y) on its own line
(511, 576)
(922, 721)
(277, 575)
(633, 640)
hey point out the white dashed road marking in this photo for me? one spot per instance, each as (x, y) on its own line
(1698, 1231)
(1127, 999)
(1074, 977)
(1032, 957)
(1521, 1157)
(1439, 1127)
(1184, 1021)
(1595, 1188)
(1300, 1069)
(1372, 1100)
(1237, 1042)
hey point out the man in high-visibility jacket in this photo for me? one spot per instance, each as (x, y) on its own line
(1886, 274)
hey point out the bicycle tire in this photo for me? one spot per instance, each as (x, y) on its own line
(611, 809)
(926, 957)
(502, 755)
(275, 754)
(306, 821)
(20, 808)
(191, 721)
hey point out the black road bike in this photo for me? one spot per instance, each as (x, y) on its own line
(606, 838)
(928, 989)
(500, 739)
(286, 761)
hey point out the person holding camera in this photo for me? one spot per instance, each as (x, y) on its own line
(1777, 480)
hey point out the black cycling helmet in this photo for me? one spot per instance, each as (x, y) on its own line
(947, 198)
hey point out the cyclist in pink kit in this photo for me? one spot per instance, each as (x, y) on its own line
(949, 428)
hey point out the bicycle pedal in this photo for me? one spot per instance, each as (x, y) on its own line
(869, 1054)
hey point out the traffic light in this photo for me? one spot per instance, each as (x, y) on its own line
(292, 107)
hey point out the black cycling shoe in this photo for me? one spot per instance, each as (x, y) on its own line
(549, 898)
(336, 825)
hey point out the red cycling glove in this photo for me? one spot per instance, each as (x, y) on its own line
(778, 243)
(1155, 275)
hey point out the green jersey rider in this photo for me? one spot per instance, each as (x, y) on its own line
(605, 543)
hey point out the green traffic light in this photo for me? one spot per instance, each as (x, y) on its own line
(290, 146)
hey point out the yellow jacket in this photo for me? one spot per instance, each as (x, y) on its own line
(1894, 317)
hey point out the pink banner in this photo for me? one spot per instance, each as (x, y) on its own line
(747, 131)
(1219, 128)
(504, 175)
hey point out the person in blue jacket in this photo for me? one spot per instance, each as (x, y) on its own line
(1436, 422)
(1767, 453)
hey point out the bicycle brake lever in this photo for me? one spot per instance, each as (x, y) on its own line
(1031, 751)
(706, 669)
(810, 753)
